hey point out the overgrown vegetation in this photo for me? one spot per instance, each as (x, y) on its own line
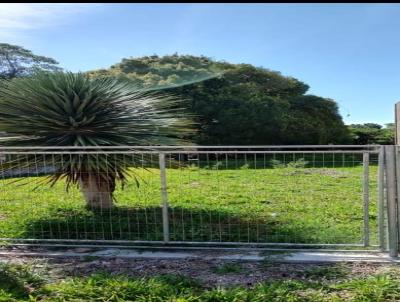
(20, 284)
(18, 281)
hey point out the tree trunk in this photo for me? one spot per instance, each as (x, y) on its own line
(97, 192)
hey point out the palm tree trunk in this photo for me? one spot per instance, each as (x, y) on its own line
(97, 192)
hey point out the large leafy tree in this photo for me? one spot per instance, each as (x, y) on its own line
(239, 103)
(314, 120)
(16, 61)
(66, 109)
(372, 133)
(254, 106)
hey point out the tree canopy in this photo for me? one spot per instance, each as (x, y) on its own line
(238, 103)
(16, 61)
(371, 133)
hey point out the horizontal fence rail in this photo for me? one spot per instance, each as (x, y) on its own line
(363, 147)
(252, 195)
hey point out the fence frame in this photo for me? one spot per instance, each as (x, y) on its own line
(388, 185)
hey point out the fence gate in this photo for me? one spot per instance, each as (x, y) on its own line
(291, 196)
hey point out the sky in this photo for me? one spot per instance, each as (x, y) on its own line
(346, 52)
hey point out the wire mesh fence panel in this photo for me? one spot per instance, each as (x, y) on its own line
(33, 208)
(271, 198)
(304, 195)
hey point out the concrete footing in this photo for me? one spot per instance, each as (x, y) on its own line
(245, 255)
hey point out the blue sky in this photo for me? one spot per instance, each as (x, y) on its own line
(347, 52)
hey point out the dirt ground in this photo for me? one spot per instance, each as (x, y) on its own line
(209, 273)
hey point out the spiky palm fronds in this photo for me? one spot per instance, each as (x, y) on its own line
(67, 109)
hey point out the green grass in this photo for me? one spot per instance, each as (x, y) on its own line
(17, 281)
(228, 268)
(334, 272)
(213, 203)
(22, 285)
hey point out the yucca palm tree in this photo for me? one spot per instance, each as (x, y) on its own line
(67, 109)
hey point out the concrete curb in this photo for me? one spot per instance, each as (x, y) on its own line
(283, 257)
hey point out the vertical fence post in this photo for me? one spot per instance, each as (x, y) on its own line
(381, 199)
(366, 197)
(397, 171)
(390, 169)
(164, 197)
(397, 123)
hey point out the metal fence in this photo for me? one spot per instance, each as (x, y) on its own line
(328, 196)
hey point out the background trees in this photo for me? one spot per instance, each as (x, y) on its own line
(16, 61)
(232, 103)
(239, 103)
(370, 133)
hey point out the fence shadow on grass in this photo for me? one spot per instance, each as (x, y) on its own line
(124, 223)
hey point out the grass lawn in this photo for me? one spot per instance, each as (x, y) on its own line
(248, 203)
(313, 284)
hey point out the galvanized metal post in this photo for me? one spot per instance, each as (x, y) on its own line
(381, 199)
(390, 169)
(366, 197)
(397, 188)
(164, 197)
(397, 122)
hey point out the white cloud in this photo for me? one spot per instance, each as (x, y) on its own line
(18, 17)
